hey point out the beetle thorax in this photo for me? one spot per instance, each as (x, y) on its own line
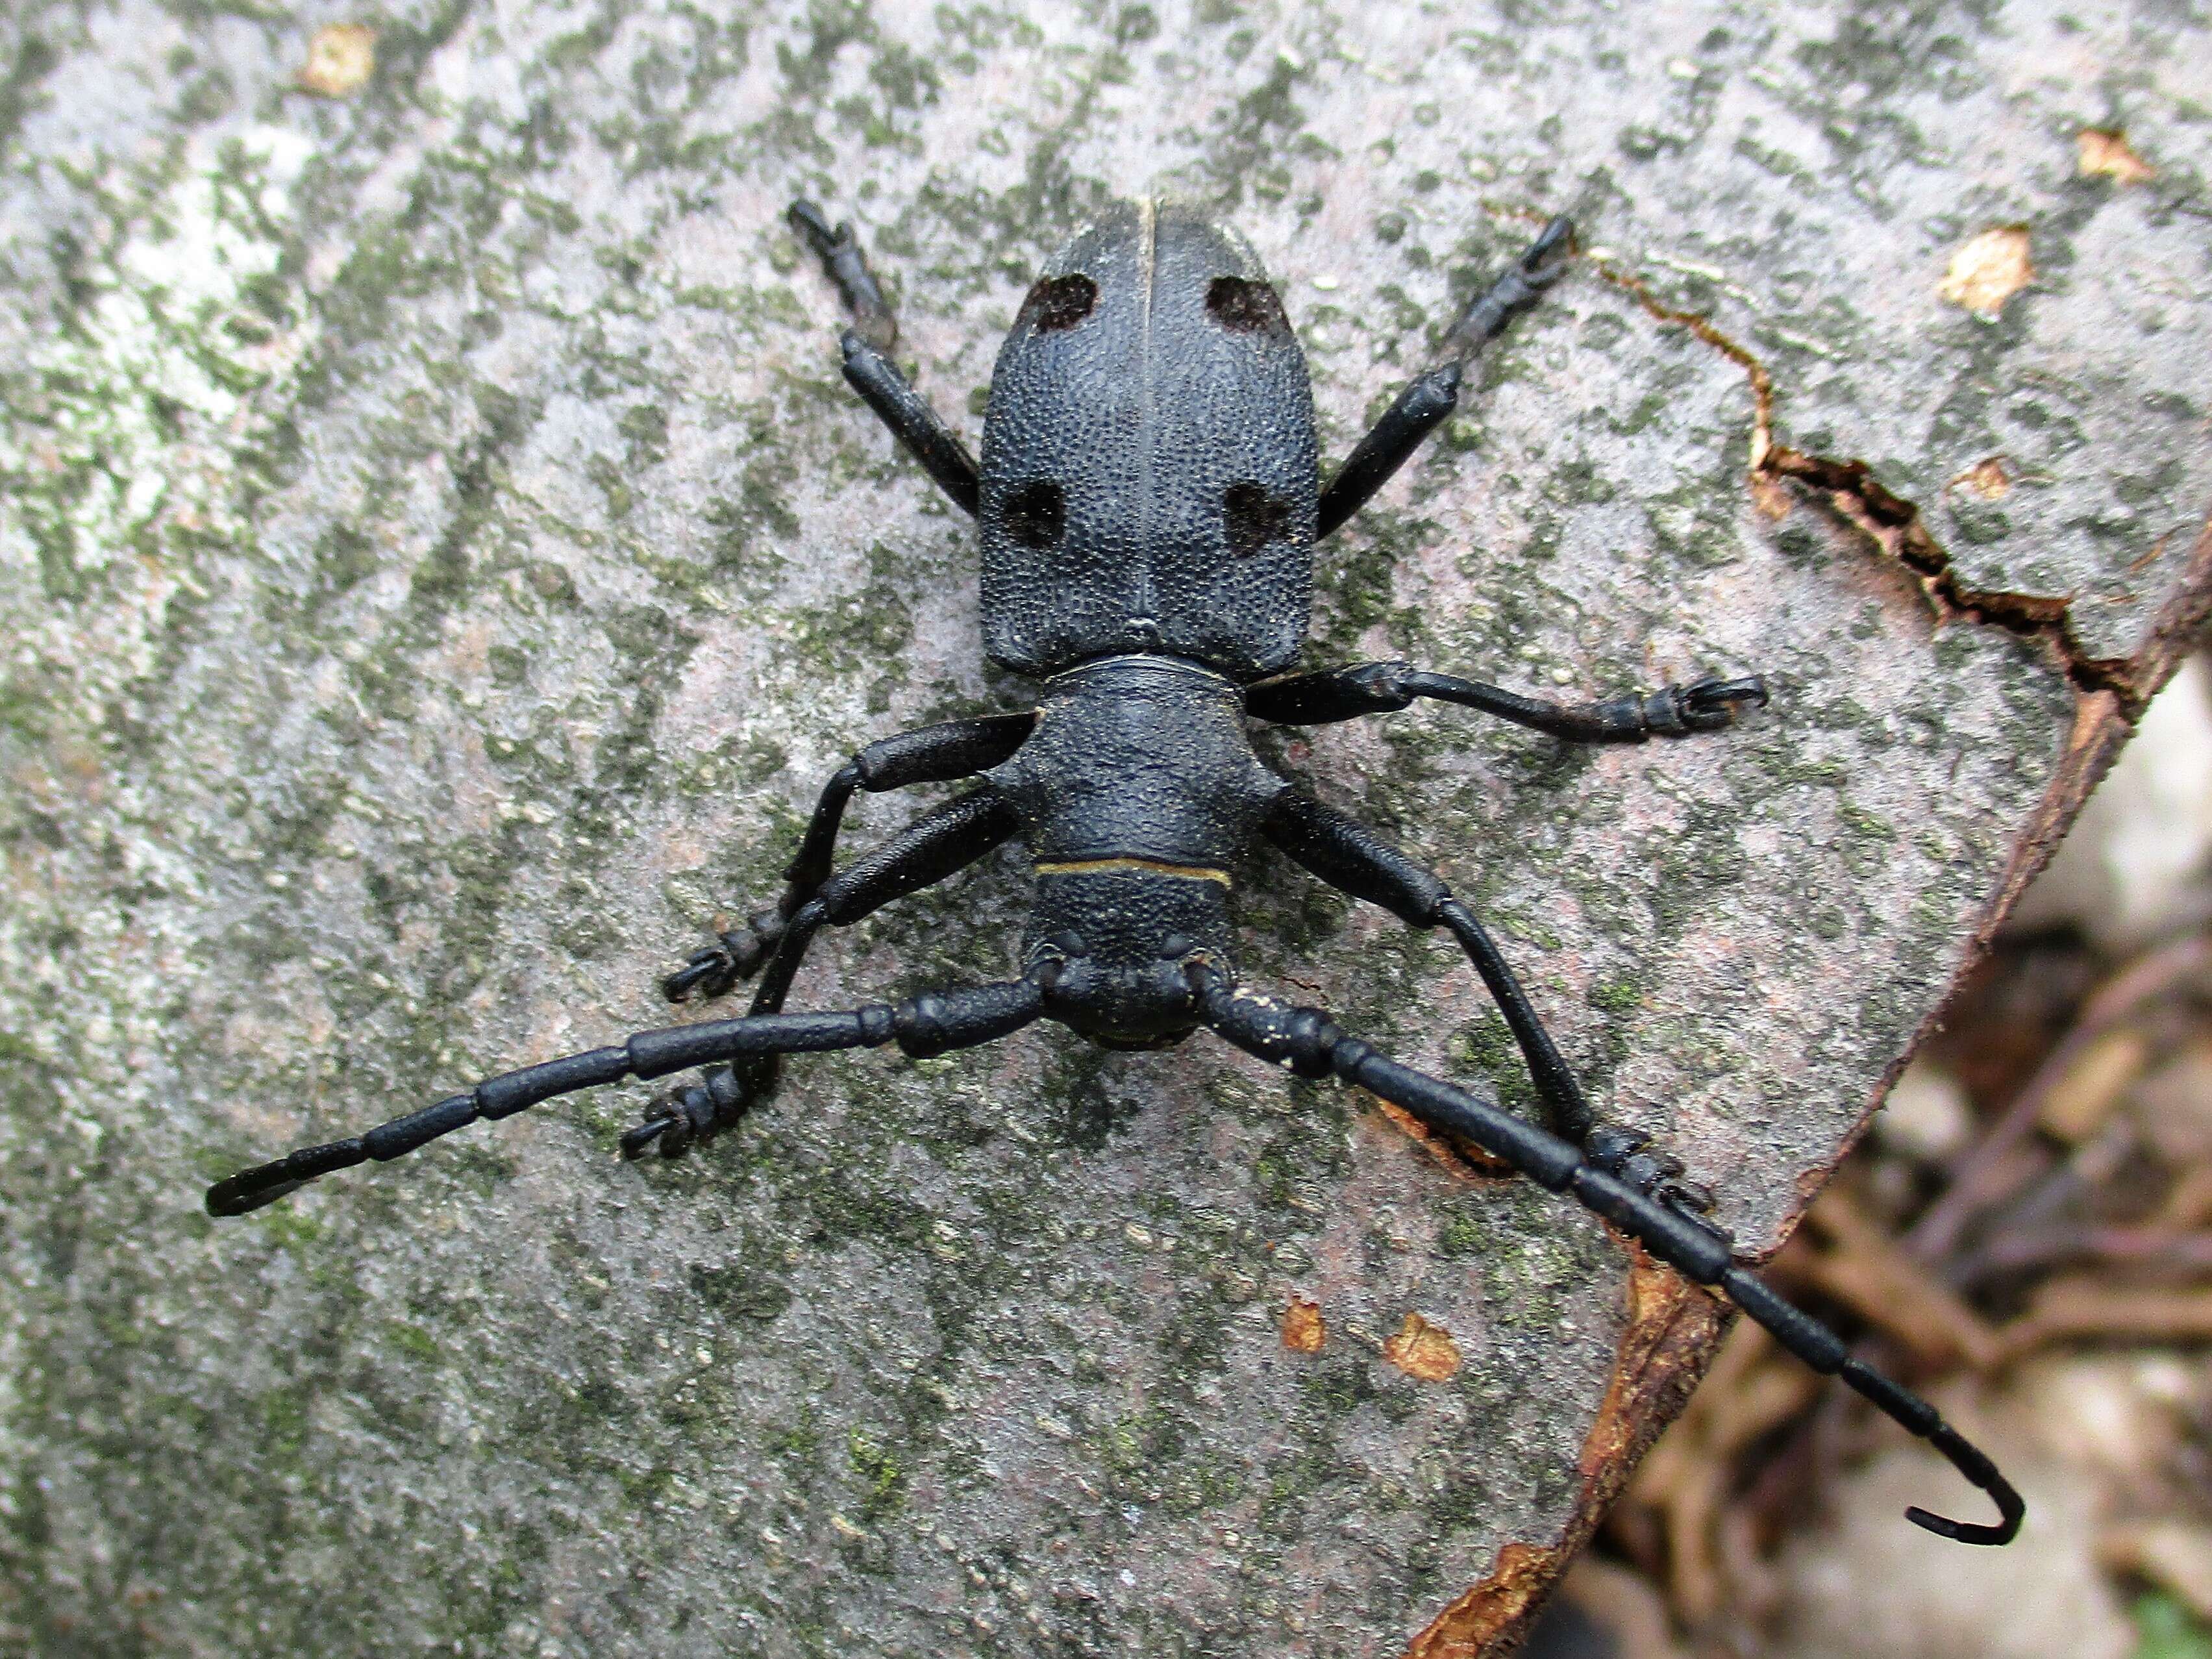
(1138, 795)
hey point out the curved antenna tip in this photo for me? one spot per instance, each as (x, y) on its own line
(1969, 1532)
(1910, 1412)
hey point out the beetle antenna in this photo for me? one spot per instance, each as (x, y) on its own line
(1820, 1348)
(928, 1024)
(1309, 1044)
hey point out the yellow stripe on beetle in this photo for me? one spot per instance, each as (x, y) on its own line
(1149, 866)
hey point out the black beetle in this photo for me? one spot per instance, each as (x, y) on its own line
(1149, 496)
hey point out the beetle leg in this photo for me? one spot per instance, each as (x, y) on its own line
(933, 847)
(934, 753)
(1422, 407)
(1355, 859)
(1309, 1043)
(1617, 1149)
(868, 346)
(1389, 444)
(1709, 704)
(947, 839)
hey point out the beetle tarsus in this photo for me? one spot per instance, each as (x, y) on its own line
(1711, 704)
(1517, 288)
(736, 955)
(839, 250)
(680, 1119)
(1626, 1152)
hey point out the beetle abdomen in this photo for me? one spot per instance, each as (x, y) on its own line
(1149, 471)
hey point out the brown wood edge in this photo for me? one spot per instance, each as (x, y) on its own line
(2103, 722)
(1674, 1330)
(1674, 1327)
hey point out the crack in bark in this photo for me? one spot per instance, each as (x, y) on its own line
(1894, 523)
(1672, 1328)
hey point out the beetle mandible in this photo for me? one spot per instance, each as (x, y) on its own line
(1149, 497)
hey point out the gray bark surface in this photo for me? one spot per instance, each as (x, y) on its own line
(441, 564)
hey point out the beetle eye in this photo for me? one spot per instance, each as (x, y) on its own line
(1058, 302)
(1036, 515)
(1248, 307)
(1253, 518)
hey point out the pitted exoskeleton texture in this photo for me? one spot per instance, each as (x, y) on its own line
(1139, 757)
(1149, 471)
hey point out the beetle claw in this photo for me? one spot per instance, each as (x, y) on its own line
(736, 955)
(1710, 703)
(695, 1114)
(1690, 1195)
(1537, 264)
(635, 1140)
(1622, 1152)
(709, 972)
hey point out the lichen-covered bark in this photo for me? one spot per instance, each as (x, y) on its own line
(441, 561)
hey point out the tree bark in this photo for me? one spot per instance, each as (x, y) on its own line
(442, 563)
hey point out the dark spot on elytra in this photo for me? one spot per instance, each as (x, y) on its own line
(1036, 515)
(1253, 518)
(1247, 306)
(1058, 302)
